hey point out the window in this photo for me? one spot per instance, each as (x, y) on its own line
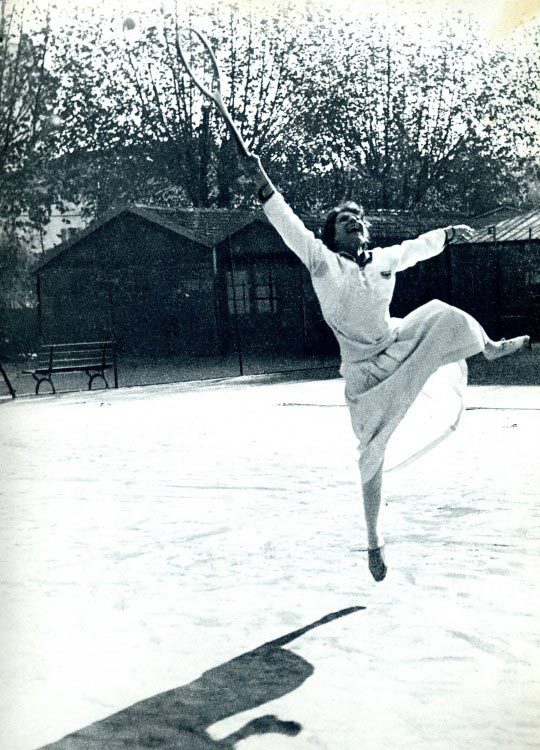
(238, 292)
(265, 296)
(251, 291)
(533, 284)
(194, 283)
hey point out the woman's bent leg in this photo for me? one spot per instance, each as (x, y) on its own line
(372, 494)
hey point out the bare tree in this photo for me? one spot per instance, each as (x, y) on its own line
(27, 99)
(335, 106)
(405, 124)
(135, 97)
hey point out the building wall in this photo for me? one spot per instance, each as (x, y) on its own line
(72, 298)
(519, 288)
(62, 226)
(271, 292)
(499, 284)
(162, 292)
(149, 289)
(428, 280)
(475, 286)
(159, 294)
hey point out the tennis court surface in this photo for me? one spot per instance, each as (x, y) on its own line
(182, 568)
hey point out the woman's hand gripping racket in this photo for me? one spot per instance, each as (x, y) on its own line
(204, 72)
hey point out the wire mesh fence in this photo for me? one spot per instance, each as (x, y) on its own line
(246, 312)
(242, 318)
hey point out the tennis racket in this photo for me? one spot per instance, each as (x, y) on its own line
(200, 63)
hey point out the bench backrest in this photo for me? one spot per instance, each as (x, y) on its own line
(76, 354)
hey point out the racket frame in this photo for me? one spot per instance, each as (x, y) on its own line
(213, 95)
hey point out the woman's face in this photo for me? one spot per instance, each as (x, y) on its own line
(350, 233)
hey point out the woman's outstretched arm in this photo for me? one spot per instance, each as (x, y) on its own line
(428, 245)
(311, 251)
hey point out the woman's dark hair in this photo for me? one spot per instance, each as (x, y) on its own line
(329, 228)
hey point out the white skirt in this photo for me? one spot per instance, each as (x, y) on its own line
(409, 397)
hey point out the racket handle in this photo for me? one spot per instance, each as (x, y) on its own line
(240, 143)
(253, 169)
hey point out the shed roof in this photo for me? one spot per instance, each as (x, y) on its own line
(211, 226)
(494, 216)
(207, 227)
(525, 226)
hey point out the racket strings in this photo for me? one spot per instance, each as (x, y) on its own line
(200, 62)
(198, 58)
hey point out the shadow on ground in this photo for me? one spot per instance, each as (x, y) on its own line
(178, 719)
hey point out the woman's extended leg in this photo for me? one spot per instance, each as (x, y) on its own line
(372, 493)
(496, 349)
(454, 334)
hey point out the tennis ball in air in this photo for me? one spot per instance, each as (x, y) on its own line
(129, 24)
(55, 121)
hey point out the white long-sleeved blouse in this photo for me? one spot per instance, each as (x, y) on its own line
(354, 301)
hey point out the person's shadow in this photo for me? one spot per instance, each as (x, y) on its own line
(178, 719)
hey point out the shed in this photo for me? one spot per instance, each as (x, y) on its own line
(496, 276)
(494, 216)
(203, 282)
(164, 281)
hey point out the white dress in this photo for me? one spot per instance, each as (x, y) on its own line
(392, 367)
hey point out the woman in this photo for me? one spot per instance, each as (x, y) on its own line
(386, 362)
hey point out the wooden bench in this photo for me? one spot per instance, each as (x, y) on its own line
(91, 357)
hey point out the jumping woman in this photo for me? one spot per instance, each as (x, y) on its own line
(386, 362)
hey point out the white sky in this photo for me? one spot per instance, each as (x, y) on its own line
(498, 17)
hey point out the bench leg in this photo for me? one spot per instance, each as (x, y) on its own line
(39, 381)
(92, 377)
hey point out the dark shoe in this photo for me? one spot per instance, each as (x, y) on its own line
(377, 563)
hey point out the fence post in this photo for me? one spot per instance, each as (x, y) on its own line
(448, 269)
(40, 306)
(235, 308)
(115, 364)
(6, 380)
(498, 322)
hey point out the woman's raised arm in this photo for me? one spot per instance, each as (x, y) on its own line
(311, 251)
